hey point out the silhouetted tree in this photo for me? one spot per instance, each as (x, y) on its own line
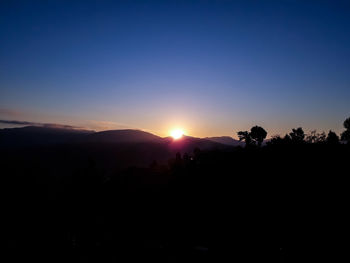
(321, 137)
(297, 135)
(312, 137)
(315, 137)
(258, 134)
(347, 124)
(276, 140)
(332, 138)
(345, 136)
(287, 139)
(245, 136)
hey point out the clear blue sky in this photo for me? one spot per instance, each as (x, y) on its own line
(209, 67)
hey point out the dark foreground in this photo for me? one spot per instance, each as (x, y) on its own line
(276, 203)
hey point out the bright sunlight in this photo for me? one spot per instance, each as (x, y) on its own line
(177, 134)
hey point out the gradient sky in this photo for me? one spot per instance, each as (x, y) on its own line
(209, 67)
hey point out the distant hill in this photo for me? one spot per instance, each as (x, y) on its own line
(122, 136)
(227, 140)
(35, 135)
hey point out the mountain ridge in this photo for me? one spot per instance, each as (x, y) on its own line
(227, 140)
(36, 135)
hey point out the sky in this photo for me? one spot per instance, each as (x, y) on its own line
(210, 68)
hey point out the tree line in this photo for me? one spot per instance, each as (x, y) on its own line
(257, 135)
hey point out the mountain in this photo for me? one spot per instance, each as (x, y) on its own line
(36, 135)
(226, 140)
(121, 136)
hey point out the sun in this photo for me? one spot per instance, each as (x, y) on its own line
(177, 134)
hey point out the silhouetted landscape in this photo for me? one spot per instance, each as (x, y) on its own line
(130, 195)
(175, 131)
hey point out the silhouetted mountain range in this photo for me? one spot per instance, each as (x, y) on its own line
(129, 147)
(33, 135)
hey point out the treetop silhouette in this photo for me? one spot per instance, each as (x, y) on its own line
(345, 136)
(332, 138)
(297, 135)
(256, 136)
